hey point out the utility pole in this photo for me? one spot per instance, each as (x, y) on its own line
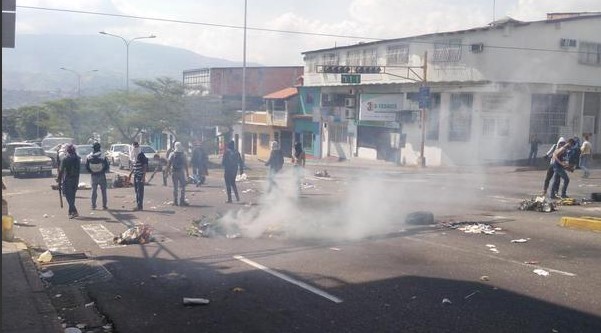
(422, 161)
(243, 87)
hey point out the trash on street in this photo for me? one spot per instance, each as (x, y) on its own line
(195, 301)
(322, 173)
(521, 240)
(45, 257)
(47, 274)
(446, 301)
(140, 234)
(538, 204)
(541, 272)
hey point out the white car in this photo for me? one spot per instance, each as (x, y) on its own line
(115, 152)
(154, 162)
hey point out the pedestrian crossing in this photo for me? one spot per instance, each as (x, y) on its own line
(56, 239)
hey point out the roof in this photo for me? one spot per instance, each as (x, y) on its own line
(282, 94)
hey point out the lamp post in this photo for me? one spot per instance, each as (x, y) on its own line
(127, 42)
(78, 78)
(243, 86)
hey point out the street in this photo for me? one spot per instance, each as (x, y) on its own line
(337, 258)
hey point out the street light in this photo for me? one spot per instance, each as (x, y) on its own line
(78, 78)
(127, 42)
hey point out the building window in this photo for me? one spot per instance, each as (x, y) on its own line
(495, 127)
(548, 115)
(310, 64)
(397, 54)
(447, 51)
(353, 58)
(370, 57)
(590, 54)
(330, 58)
(433, 119)
(264, 140)
(460, 118)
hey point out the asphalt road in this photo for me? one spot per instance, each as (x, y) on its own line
(337, 258)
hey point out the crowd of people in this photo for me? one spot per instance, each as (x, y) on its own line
(175, 164)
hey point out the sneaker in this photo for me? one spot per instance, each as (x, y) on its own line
(135, 209)
(104, 208)
(73, 215)
(564, 196)
(183, 203)
(174, 204)
(93, 207)
(229, 201)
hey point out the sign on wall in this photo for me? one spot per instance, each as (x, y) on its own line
(380, 107)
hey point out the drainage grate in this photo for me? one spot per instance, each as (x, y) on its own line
(67, 257)
(79, 273)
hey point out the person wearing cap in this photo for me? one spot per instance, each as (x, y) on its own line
(178, 165)
(98, 165)
(139, 169)
(68, 177)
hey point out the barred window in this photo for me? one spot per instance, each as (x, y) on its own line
(590, 54)
(548, 115)
(330, 58)
(353, 58)
(447, 51)
(397, 54)
(370, 57)
(460, 119)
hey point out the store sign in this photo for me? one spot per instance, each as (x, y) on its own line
(380, 107)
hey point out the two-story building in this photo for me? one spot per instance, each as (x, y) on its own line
(456, 98)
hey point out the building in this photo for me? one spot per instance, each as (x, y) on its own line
(474, 96)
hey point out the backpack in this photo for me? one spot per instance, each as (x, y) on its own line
(96, 163)
(178, 161)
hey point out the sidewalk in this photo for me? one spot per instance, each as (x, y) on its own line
(26, 308)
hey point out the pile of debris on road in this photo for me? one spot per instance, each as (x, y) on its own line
(322, 173)
(472, 227)
(211, 226)
(140, 234)
(538, 204)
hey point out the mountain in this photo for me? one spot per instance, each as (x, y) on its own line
(31, 71)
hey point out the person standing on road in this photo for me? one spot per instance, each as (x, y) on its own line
(275, 164)
(548, 156)
(560, 164)
(298, 160)
(98, 165)
(139, 169)
(534, 142)
(200, 164)
(178, 164)
(585, 156)
(231, 162)
(165, 169)
(68, 177)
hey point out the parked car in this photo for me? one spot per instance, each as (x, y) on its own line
(53, 153)
(114, 153)
(9, 150)
(154, 162)
(52, 141)
(30, 160)
(83, 151)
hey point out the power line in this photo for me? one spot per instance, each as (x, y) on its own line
(417, 41)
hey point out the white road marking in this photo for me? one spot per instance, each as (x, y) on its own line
(289, 279)
(493, 257)
(56, 240)
(101, 235)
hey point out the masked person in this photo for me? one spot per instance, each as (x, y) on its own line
(275, 164)
(560, 165)
(200, 164)
(98, 165)
(178, 164)
(68, 177)
(139, 169)
(298, 160)
(549, 175)
(231, 162)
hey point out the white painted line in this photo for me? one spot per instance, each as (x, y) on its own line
(56, 240)
(289, 279)
(100, 235)
(492, 257)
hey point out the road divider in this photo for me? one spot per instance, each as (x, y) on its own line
(583, 222)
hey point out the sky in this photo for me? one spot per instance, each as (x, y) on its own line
(214, 28)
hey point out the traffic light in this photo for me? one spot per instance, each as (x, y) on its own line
(368, 69)
(336, 69)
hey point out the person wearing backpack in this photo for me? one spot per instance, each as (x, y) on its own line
(98, 165)
(200, 164)
(230, 163)
(178, 164)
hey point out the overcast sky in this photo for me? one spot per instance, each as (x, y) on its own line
(195, 24)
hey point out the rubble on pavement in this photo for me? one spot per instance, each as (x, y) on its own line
(538, 204)
(140, 234)
(472, 227)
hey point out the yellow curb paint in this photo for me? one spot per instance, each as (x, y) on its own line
(584, 222)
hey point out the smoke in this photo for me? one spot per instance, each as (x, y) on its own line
(369, 204)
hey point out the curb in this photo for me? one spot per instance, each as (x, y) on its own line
(583, 222)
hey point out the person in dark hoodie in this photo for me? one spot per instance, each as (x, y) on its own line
(178, 165)
(231, 163)
(560, 165)
(68, 177)
(275, 163)
(98, 165)
(549, 175)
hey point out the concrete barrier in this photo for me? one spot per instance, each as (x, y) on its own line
(583, 222)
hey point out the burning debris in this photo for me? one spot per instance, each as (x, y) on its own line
(140, 234)
(473, 227)
(322, 173)
(211, 226)
(538, 204)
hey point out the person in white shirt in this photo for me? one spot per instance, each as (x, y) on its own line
(585, 156)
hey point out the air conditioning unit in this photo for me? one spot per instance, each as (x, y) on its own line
(349, 102)
(477, 48)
